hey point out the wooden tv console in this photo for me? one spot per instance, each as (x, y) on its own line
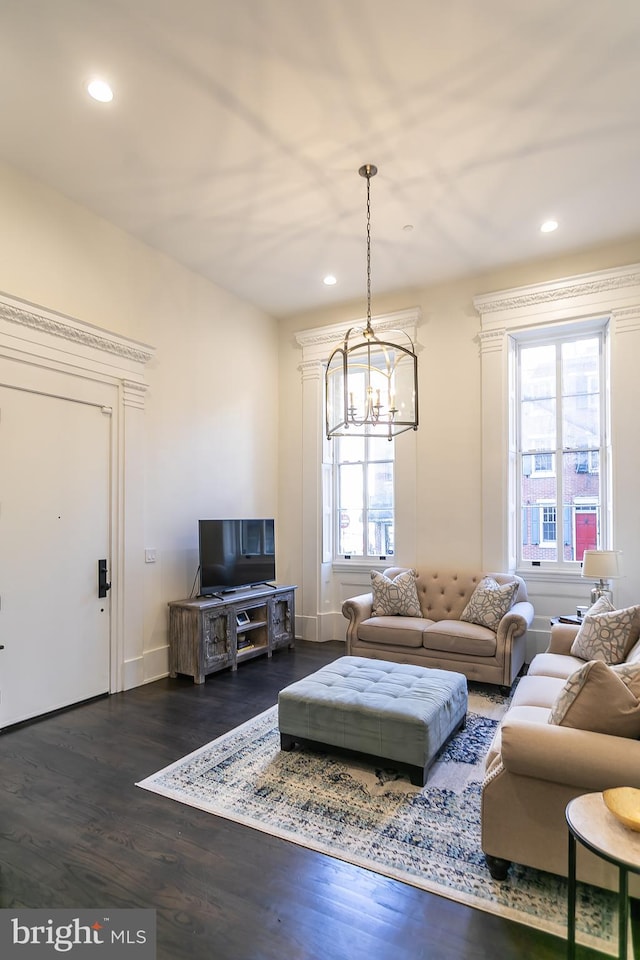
(207, 634)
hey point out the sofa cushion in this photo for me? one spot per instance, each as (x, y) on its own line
(528, 714)
(398, 631)
(596, 698)
(489, 602)
(456, 636)
(536, 691)
(607, 636)
(396, 596)
(554, 665)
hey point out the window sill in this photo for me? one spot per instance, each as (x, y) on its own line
(532, 574)
(363, 564)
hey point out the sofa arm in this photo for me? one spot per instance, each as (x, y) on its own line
(516, 620)
(356, 609)
(577, 758)
(562, 636)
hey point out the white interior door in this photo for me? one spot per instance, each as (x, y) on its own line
(54, 527)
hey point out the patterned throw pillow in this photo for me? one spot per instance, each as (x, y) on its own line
(598, 698)
(602, 605)
(629, 673)
(397, 597)
(489, 602)
(607, 636)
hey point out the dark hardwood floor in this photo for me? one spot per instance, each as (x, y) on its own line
(75, 831)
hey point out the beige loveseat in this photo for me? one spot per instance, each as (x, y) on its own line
(534, 768)
(437, 637)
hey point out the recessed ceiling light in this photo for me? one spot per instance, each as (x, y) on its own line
(329, 280)
(549, 226)
(100, 90)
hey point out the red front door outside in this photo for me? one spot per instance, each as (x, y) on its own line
(586, 532)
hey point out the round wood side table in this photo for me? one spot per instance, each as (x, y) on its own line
(595, 827)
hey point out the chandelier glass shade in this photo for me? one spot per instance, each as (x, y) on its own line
(371, 381)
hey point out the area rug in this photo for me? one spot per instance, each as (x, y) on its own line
(428, 837)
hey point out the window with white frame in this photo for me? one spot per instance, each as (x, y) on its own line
(363, 469)
(560, 418)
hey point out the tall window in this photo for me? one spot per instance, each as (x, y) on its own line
(561, 445)
(363, 472)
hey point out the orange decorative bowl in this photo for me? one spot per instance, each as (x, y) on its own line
(624, 804)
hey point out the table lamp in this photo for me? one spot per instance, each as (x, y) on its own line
(601, 565)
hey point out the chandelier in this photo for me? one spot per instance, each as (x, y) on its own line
(371, 383)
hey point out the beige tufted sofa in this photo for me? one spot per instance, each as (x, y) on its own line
(439, 638)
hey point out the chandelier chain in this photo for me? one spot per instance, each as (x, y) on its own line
(368, 251)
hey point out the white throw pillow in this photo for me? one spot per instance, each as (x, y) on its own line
(489, 602)
(607, 636)
(395, 597)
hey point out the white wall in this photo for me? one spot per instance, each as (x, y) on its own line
(220, 438)
(210, 431)
(449, 448)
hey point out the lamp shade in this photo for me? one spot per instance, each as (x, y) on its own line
(601, 564)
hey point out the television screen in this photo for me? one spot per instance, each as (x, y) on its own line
(235, 553)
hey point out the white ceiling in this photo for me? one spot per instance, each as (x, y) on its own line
(238, 127)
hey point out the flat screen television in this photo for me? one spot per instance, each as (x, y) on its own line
(235, 553)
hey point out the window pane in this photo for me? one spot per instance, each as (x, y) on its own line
(538, 514)
(581, 394)
(380, 486)
(538, 425)
(380, 448)
(580, 367)
(351, 499)
(581, 422)
(380, 536)
(380, 509)
(350, 533)
(350, 449)
(549, 531)
(538, 397)
(581, 485)
(538, 372)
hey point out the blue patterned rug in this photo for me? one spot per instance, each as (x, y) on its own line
(428, 837)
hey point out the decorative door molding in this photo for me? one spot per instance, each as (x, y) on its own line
(54, 354)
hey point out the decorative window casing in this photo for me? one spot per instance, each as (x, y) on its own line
(608, 297)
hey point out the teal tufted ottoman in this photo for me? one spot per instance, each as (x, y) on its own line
(394, 712)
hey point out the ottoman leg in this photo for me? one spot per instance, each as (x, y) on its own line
(287, 742)
(418, 775)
